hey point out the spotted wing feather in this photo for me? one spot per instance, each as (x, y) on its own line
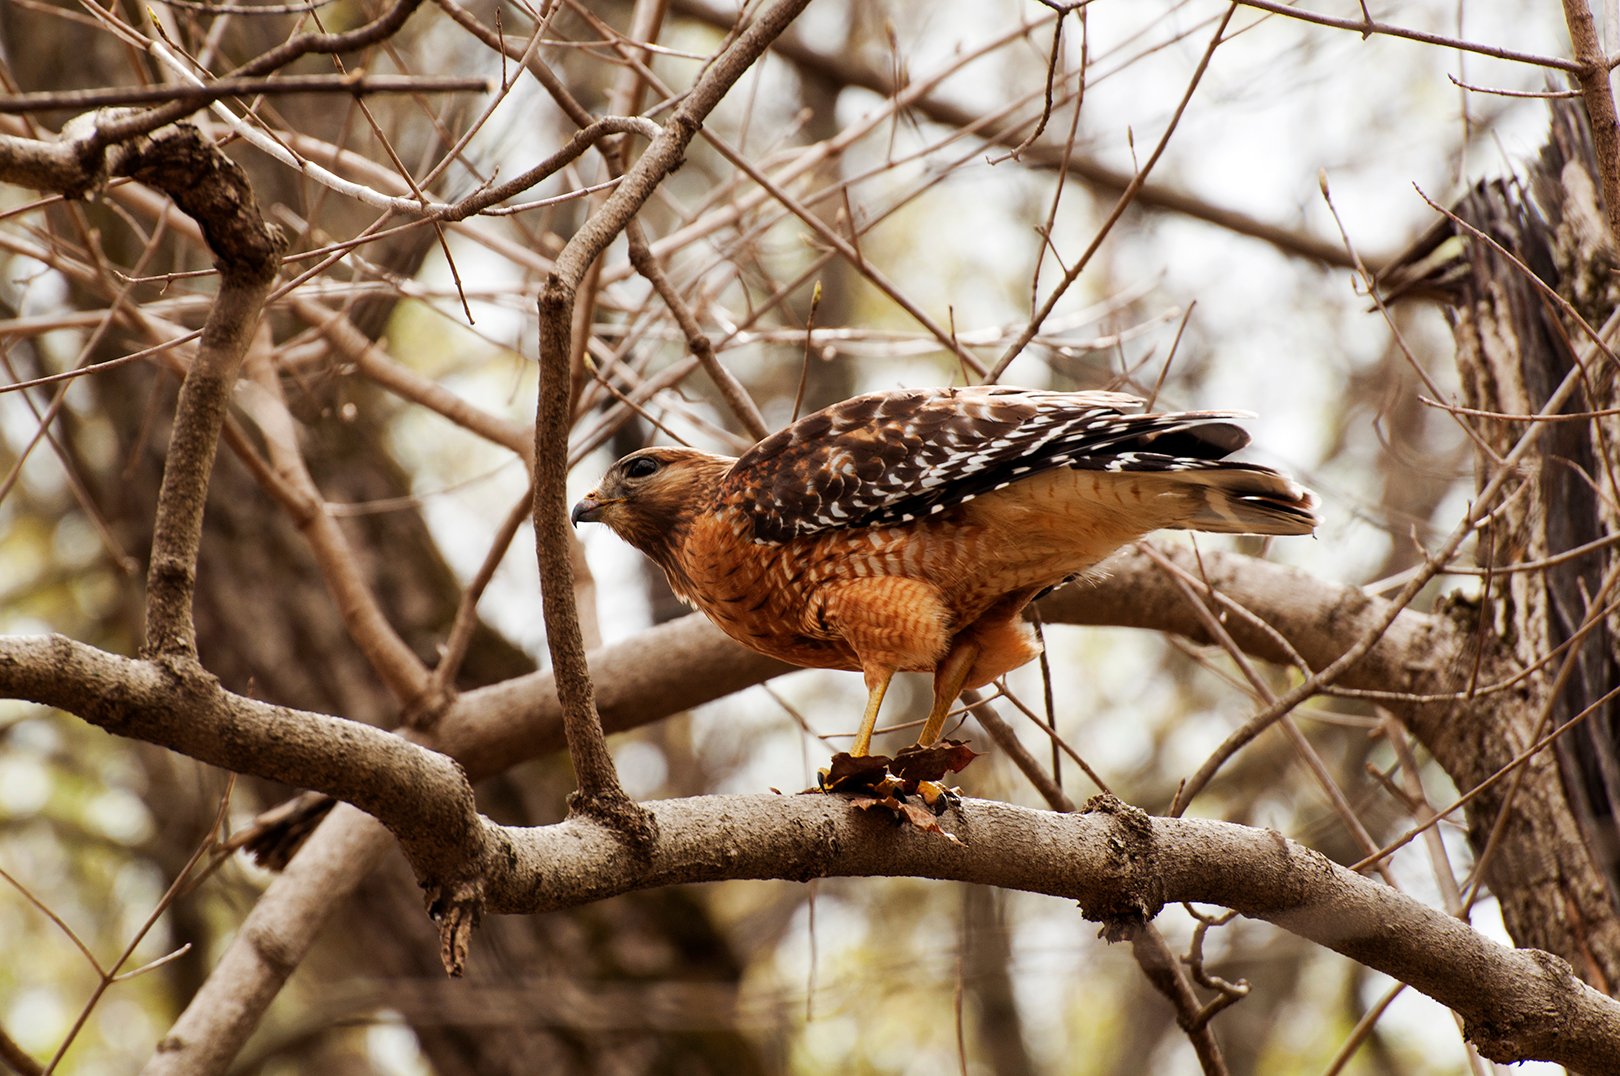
(892, 457)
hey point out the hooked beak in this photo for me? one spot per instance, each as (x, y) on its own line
(588, 510)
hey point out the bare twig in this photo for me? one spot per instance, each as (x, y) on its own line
(385, 25)
(845, 69)
(461, 629)
(1226, 993)
(1059, 744)
(176, 886)
(1163, 972)
(1052, 63)
(697, 341)
(371, 360)
(1365, 28)
(1534, 95)
(1126, 197)
(258, 10)
(357, 84)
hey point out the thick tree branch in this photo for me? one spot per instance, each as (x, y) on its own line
(213, 191)
(423, 797)
(1118, 863)
(70, 166)
(1291, 615)
(664, 670)
(687, 662)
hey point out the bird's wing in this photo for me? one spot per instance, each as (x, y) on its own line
(892, 457)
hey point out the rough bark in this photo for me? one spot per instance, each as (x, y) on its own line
(1552, 858)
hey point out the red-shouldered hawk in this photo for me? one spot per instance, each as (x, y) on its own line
(907, 530)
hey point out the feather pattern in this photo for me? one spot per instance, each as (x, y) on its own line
(893, 457)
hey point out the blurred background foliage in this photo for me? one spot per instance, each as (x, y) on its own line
(840, 975)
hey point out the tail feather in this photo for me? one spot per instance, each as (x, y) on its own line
(1244, 499)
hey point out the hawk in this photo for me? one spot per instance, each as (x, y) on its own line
(907, 530)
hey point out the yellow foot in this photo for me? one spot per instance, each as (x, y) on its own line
(937, 797)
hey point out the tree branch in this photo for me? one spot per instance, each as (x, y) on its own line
(1315, 619)
(1118, 863)
(599, 787)
(1163, 971)
(395, 663)
(209, 187)
(273, 940)
(688, 662)
(382, 27)
(664, 670)
(423, 797)
(1159, 965)
(1592, 74)
(212, 190)
(697, 341)
(1366, 27)
(358, 84)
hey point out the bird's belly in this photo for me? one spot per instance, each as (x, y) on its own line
(760, 598)
(765, 596)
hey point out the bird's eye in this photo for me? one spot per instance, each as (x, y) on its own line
(641, 468)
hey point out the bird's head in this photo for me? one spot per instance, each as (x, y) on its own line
(650, 497)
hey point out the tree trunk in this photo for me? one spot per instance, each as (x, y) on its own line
(1547, 628)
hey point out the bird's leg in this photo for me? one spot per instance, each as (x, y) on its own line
(877, 684)
(890, 623)
(948, 680)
